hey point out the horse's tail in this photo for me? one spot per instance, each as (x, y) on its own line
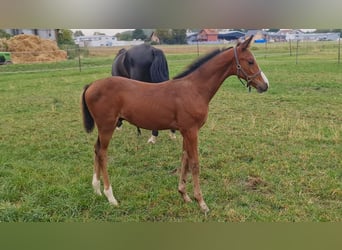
(88, 120)
(159, 70)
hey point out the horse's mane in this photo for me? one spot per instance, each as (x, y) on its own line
(195, 65)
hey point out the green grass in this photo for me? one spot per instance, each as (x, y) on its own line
(270, 157)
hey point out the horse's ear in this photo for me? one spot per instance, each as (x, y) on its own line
(246, 43)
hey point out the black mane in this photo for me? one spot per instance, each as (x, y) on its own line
(195, 65)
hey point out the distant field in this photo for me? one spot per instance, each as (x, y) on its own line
(266, 157)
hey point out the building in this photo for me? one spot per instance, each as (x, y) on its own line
(103, 41)
(230, 35)
(301, 36)
(207, 35)
(95, 41)
(42, 33)
(260, 36)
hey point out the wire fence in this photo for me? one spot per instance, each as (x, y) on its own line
(81, 59)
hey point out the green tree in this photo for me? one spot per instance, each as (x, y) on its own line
(179, 36)
(4, 34)
(138, 34)
(172, 36)
(97, 33)
(64, 37)
(78, 33)
(273, 30)
(124, 36)
(164, 35)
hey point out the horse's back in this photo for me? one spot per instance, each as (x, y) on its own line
(141, 62)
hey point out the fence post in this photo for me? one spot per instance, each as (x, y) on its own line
(297, 51)
(339, 50)
(79, 58)
(265, 49)
(197, 48)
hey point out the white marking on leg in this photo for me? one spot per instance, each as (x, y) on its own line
(96, 185)
(172, 135)
(109, 194)
(152, 139)
(204, 207)
(265, 78)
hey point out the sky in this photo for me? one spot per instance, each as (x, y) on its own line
(110, 32)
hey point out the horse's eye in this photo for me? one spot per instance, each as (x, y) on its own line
(251, 62)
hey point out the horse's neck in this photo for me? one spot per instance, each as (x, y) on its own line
(215, 71)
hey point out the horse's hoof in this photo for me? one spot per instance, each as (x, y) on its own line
(114, 203)
(186, 198)
(153, 139)
(204, 208)
(110, 196)
(173, 136)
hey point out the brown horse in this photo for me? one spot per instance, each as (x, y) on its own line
(179, 104)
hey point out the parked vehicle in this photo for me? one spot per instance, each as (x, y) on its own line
(5, 58)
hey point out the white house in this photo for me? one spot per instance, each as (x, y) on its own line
(301, 36)
(42, 33)
(103, 41)
(95, 41)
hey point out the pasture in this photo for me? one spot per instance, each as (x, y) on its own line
(266, 157)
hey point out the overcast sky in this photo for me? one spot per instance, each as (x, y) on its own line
(109, 32)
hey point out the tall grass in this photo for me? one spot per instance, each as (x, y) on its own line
(269, 157)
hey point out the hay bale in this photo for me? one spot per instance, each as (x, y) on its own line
(30, 48)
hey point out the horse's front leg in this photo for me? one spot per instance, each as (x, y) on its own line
(191, 139)
(191, 142)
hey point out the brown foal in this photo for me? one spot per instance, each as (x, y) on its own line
(178, 104)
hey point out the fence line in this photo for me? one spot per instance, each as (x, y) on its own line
(78, 57)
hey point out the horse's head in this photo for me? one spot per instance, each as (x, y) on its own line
(247, 67)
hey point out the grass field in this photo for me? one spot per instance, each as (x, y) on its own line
(274, 157)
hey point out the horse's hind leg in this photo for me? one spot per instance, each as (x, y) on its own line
(184, 175)
(96, 177)
(172, 134)
(119, 124)
(153, 138)
(101, 162)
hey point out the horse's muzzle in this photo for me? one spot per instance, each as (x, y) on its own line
(262, 88)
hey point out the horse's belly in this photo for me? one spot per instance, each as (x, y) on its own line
(150, 118)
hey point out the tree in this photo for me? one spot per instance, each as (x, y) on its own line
(64, 37)
(172, 36)
(273, 30)
(78, 33)
(138, 34)
(97, 33)
(179, 36)
(124, 36)
(4, 34)
(164, 35)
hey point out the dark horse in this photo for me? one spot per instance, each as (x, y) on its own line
(143, 63)
(180, 104)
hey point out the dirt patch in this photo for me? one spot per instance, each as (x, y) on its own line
(254, 182)
(30, 48)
